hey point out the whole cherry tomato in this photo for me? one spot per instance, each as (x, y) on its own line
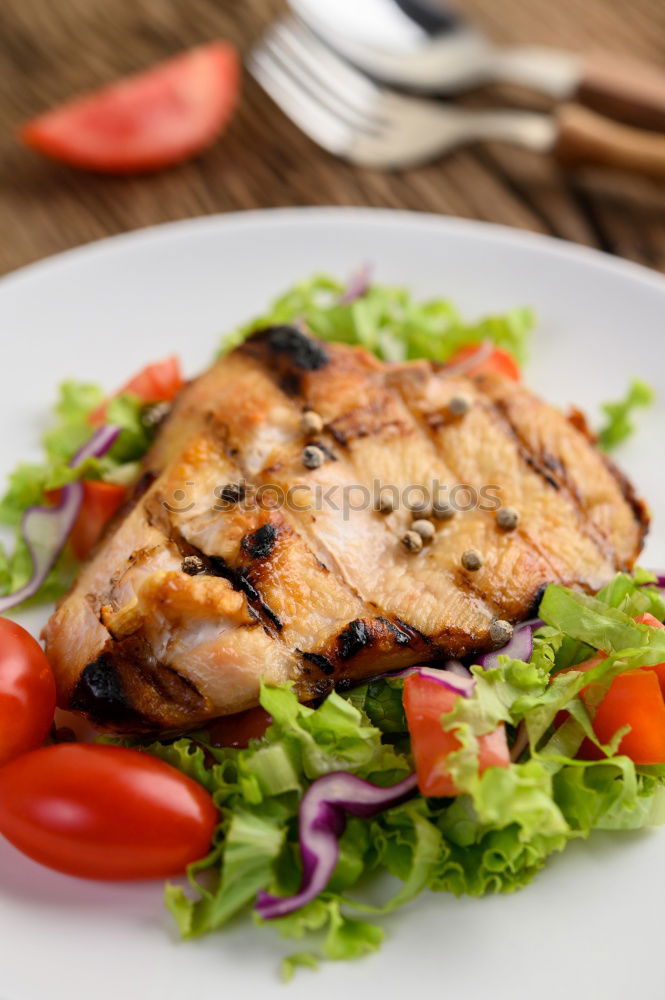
(27, 692)
(104, 812)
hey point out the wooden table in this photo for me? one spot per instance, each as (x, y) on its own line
(50, 51)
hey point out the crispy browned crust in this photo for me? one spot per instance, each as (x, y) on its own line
(135, 646)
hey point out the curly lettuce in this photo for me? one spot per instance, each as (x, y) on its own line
(492, 838)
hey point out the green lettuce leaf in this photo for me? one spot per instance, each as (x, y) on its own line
(29, 483)
(618, 416)
(389, 322)
(494, 837)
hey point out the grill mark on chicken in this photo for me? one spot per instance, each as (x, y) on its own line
(383, 419)
(288, 348)
(100, 694)
(127, 674)
(309, 596)
(637, 505)
(554, 473)
(547, 556)
(353, 638)
(237, 577)
(239, 580)
(261, 542)
(325, 665)
(364, 421)
(250, 576)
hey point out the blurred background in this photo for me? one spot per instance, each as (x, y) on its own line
(51, 51)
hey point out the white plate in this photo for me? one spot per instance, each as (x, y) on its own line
(589, 925)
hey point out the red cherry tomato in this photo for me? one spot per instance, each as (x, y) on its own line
(104, 812)
(499, 362)
(27, 692)
(425, 702)
(159, 382)
(144, 122)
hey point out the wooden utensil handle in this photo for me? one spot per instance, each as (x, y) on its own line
(587, 138)
(624, 88)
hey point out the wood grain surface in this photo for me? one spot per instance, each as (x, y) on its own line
(50, 51)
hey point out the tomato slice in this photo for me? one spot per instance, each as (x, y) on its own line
(100, 502)
(159, 382)
(425, 701)
(144, 122)
(659, 669)
(104, 812)
(499, 362)
(27, 692)
(635, 699)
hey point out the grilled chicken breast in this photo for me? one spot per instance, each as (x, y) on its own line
(251, 549)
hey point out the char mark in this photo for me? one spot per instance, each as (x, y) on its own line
(413, 636)
(100, 693)
(320, 661)
(127, 688)
(400, 636)
(302, 351)
(355, 637)
(260, 543)
(555, 473)
(239, 580)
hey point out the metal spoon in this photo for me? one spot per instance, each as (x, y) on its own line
(425, 46)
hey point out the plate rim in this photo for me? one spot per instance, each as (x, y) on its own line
(305, 215)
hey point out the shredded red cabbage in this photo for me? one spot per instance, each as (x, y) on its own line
(455, 677)
(46, 529)
(321, 824)
(462, 367)
(357, 286)
(520, 647)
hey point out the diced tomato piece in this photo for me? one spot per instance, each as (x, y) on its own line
(634, 699)
(237, 730)
(159, 382)
(100, 502)
(648, 619)
(659, 669)
(499, 362)
(147, 121)
(425, 701)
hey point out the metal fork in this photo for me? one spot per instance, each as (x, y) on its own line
(351, 116)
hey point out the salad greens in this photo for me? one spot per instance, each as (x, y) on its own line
(618, 423)
(31, 482)
(492, 838)
(388, 321)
